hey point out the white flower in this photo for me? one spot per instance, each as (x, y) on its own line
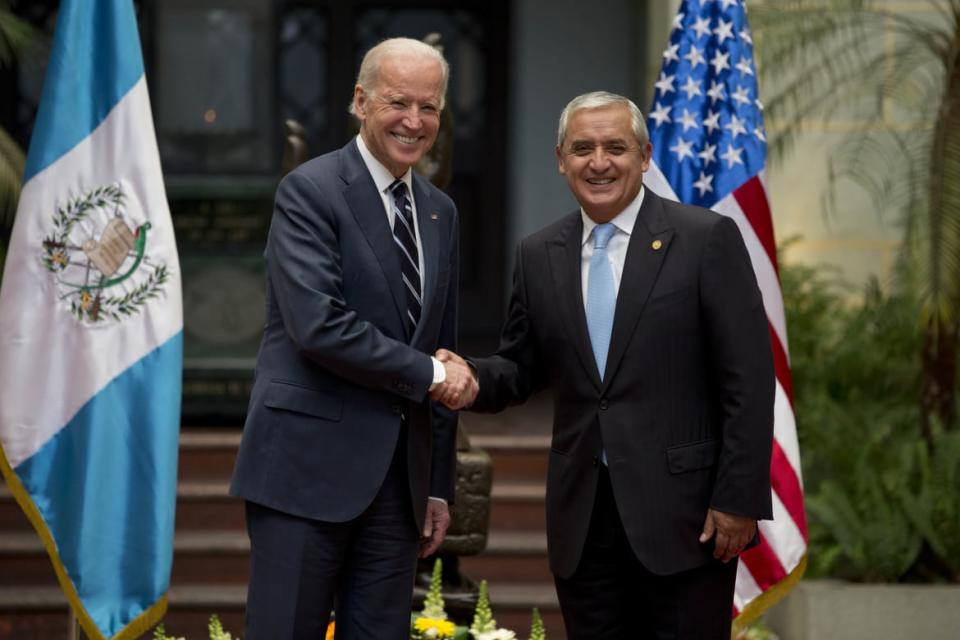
(497, 634)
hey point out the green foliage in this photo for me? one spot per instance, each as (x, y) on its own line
(15, 37)
(216, 629)
(881, 506)
(932, 503)
(757, 631)
(537, 632)
(896, 73)
(433, 605)
(483, 616)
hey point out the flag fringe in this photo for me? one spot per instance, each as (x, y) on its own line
(756, 607)
(135, 628)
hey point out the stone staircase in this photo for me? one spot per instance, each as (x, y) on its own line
(211, 549)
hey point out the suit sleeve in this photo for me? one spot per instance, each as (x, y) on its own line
(443, 421)
(517, 370)
(304, 267)
(741, 363)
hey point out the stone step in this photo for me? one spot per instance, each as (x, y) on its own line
(205, 505)
(210, 454)
(516, 458)
(202, 557)
(40, 612)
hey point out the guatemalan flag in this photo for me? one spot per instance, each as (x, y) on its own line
(91, 330)
(710, 149)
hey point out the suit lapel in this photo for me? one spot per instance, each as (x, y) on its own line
(640, 271)
(430, 246)
(565, 252)
(367, 207)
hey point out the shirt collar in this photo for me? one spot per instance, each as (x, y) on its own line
(380, 174)
(623, 221)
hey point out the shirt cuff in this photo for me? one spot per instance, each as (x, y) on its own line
(437, 499)
(439, 374)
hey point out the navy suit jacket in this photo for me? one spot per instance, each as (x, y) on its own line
(336, 373)
(685, 408)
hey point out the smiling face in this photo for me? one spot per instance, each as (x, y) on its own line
(602, 160)
(400, 115)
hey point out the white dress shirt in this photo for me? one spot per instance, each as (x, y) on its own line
(616, 247)
(382, 178)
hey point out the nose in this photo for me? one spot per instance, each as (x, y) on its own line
(599, 159)
(413, 119)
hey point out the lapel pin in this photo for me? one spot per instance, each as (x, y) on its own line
(434, 216)
(656, 244)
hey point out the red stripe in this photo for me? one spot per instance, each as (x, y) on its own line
(752, 199)
(764, 565)
(784, 480)
(781, 365)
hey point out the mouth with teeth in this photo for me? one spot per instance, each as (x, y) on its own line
(600, 182)
(405, 139)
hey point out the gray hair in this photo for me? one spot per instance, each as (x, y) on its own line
(598, 100)
(369, 73)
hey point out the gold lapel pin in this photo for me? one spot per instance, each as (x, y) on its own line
(656, 244)
(434, 216)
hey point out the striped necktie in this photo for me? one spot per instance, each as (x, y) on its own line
(405, 238)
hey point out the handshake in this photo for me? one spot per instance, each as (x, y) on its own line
(460, 387)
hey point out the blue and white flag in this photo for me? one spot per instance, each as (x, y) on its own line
(91, 328)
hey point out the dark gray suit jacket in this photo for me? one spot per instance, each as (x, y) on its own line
(685, 410)
(336, 372)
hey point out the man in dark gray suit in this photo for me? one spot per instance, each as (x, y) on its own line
(645, 317)
(346, 465)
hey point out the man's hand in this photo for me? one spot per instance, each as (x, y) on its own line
(434, 527)
(460, 388)
(733, 533)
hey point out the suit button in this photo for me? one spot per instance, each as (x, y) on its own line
(397, 409)
(603, 404)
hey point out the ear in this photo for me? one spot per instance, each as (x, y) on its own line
(647, 155)
(559, 154)
(359, 103)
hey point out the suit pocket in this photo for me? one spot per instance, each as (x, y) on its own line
(690, 457)
(299, 399)
(670, 297)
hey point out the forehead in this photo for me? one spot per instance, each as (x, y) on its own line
(599, 125)
(410, 74)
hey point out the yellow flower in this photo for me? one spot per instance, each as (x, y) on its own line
(441, 628)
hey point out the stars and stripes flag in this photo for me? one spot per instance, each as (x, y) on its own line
(709, 149)
(91, 330)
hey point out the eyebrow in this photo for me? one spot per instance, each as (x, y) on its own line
(609, 141)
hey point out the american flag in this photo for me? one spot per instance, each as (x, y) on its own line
(710, 149)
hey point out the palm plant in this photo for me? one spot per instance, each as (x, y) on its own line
(897, 74)
(15, 37)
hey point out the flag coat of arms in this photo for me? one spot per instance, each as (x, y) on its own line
(709, 149)
(91, 330)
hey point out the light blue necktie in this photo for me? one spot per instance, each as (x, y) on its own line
(601, 296)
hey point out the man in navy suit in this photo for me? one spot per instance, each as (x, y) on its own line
(346, 464)
(645, 317)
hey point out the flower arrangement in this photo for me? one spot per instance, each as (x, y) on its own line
(432, 621)
(429, 624)
(214, 628)
(484, 627)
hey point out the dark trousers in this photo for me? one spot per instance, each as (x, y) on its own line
(299, 567)
(611, 596)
